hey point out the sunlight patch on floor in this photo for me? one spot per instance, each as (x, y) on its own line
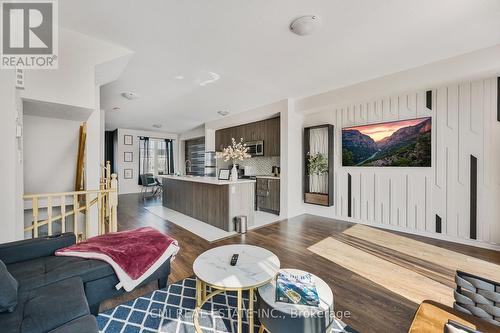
(395, 278)
(205, 230)
(434, 254)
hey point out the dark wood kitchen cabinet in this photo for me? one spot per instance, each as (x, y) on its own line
(268, 194)
(221, 139)
(266, 130)
(272, 137)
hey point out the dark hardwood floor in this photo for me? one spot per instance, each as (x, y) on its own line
(372, 307)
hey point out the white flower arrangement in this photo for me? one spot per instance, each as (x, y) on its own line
(237, 151)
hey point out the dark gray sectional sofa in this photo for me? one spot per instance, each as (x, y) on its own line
(56, 294)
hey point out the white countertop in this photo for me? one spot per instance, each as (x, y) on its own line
(207, 180)
(255, 266)
(268, 177)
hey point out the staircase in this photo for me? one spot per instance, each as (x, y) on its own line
(54, 213)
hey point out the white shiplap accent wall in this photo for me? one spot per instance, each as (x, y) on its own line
(463, 123)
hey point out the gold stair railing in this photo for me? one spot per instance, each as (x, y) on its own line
(105, 199)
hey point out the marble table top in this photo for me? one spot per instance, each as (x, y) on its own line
(268, 295)
(255, 266)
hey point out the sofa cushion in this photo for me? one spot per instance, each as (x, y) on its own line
(86, 324)
(8, 286)
(28, 249)
(47, 308)
(45, 270)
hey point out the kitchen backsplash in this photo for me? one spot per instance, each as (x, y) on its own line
(259, 165)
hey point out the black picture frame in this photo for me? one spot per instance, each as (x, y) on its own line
(422, 162)
(128, 156)
(128, 173)
(224, 174)
(312, 198)
(126, 139)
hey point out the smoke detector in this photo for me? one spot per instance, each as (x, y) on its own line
(130, 95)
(304, 25)
(157, 125)
(223, 113)
(116, 108)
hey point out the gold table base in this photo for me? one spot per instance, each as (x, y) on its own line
(202, 297)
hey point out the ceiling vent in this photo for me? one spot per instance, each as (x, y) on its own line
(304, 25)
(130, 95)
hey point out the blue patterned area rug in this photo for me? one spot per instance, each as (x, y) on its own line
(170, 310)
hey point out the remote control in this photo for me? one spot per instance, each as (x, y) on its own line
(234, 259)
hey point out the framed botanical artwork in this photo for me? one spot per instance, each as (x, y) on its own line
(128, 156)
(128, 140)
(224, 174)
(128, 173)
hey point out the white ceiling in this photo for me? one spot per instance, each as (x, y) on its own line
(246, 43)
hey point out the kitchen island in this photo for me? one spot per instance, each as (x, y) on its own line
(208, 199)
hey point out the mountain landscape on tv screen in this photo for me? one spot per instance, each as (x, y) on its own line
(405, 143)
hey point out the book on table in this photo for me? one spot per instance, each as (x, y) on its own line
(296, 289)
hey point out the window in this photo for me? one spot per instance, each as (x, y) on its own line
(155, 156)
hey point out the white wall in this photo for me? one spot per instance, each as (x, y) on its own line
(50, 152)
(94, 146)
(131, 185)
(11, 162)
(291, 161)
(463, 123)
(73, 84)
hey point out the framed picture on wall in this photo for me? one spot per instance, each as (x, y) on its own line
(128, 140)
(128, 173)
(128, 156)
(224, 174)
(401, 143)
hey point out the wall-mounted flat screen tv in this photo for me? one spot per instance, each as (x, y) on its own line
(403, 143)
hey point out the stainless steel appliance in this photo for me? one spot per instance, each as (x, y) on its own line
(255, 148)
(210, 164)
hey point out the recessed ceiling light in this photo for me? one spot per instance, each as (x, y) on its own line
(304, 25)
(179, 77)
(223, 113)
(157, 125)
(130, 95)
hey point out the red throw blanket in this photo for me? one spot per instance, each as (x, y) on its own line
(133, 254)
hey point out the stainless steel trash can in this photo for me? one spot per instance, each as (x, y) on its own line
(240, 224)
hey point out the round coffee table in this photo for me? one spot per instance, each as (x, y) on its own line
(279, 317)
(256, 267)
